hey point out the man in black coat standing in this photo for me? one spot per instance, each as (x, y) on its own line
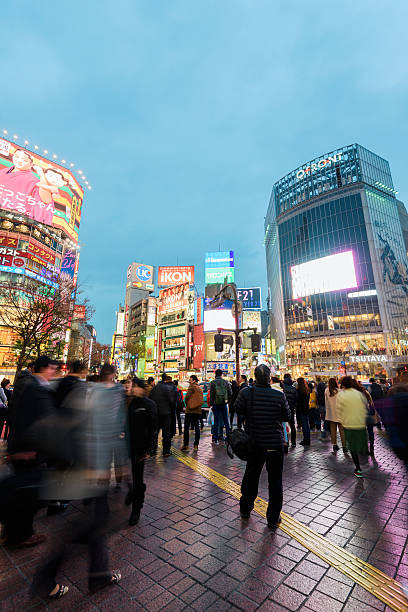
(290, 393)
(165, 397)
(264, 410)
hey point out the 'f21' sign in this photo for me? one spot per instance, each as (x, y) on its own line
(250, 298)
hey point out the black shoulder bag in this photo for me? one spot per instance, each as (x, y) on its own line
(239, 442)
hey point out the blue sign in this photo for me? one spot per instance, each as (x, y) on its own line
(143, 273)
(219, 259)
(250, 298)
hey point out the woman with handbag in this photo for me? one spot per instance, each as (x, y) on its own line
(353, 404)
(194, 401)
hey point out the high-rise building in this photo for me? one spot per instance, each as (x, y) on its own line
(337, 266)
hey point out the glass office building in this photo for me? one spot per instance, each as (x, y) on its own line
(337, 267)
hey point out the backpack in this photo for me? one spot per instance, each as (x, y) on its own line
(221, 392)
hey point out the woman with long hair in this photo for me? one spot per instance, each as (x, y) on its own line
(353, 403)
(331, 394)
(302, 399)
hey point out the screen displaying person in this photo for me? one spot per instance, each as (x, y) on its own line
(25, 188)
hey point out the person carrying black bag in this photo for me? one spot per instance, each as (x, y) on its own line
(264, 410)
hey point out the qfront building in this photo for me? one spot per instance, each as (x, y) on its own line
(337, 267)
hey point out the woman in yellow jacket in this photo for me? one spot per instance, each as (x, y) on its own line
(352, 403)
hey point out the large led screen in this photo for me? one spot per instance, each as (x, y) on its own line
(41, 189)
(218, 319)
(331, 273)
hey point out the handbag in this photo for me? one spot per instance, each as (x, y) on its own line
(239, 442)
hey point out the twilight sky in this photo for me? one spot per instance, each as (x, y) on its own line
(183, 114)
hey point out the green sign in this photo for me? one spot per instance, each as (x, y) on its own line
(218, 275)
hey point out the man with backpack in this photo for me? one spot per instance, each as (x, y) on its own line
(220, 395)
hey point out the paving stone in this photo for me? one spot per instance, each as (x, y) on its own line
(336, 589)
(300, 582)
(289, 598)
(319, 602)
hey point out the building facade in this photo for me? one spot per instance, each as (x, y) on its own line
(337, 266)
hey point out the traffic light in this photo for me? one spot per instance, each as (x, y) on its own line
(218, 343)
(255, 343)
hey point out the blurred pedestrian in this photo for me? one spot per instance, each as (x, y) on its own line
(150, 385)
(394, 415)
(194, 402)
(353, 404)
(302, 401)
(142, 424)
(264, 409)
(34, 402)
(331, 394)
(314, 415)
(4, 406)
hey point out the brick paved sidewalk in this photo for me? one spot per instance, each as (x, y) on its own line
(191, 550)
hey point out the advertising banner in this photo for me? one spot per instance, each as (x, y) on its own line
(174, 275)
(198, 347)
(39, 188)
(140, 276)
(79, 311)
(219, 259)
(228, 352)
(219, 275)
(252, 319)
(250, 298)
(173, 298)
(68, 265)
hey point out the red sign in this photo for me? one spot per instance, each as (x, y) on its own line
(8, 241)
(174, 275)
(198, 347)
(79, 311)
(173, 298)
(38, 249)
(9, 260)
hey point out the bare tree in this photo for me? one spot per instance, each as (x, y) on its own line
(36, 313)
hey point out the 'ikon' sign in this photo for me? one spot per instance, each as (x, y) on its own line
(174, 275)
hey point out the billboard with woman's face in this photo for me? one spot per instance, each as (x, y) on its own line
(39, 188)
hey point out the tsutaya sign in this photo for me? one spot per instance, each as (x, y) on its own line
(367, 358)
(316, 166)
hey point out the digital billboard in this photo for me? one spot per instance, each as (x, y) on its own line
(331, 273)
(219, 318)
(39, 188)
(174, 275)
(250, 298)
(219, 259)
(218, 275)
(174, 298)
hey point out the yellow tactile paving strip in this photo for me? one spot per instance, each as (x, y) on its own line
(373, 580)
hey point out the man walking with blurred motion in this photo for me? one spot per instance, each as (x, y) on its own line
(264, 409)
(34, 403)
(290, 393)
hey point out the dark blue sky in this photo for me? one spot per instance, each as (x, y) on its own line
(182, 115)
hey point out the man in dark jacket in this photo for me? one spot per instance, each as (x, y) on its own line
(25, 447)
(290, 393)
(264, 410)
(142, 417)
(165, 398)
(220, 396)
(243, 384)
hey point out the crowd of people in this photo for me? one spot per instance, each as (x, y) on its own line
(69, 436)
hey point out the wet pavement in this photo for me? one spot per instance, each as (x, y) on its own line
(192, 551)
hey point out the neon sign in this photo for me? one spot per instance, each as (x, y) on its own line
(318, 165)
